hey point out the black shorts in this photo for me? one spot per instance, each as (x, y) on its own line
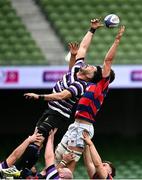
(52, 119)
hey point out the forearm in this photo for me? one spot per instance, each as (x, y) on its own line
(87, 156)
(94, 155)
(53, 97)
(112, 52)
(109, 59)
(88, 162)
(49, 158)
(56, 96)
(17, 153)
(72, 60)
(49, 153)
(87, 40)
(84, 45)
(97, 161)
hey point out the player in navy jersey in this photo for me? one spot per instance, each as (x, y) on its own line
(17, 153)
(9, 167)
(89, 104)
(96, 168)
(66, 92)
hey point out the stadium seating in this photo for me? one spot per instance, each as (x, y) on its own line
(17, 45)
(129, 169)
(71, 18)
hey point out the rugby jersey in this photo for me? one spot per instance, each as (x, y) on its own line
(72, 84)
(90, 103)
(52, 173)
(3, 165)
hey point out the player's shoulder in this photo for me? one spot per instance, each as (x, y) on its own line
(79, 62)
(79, 59)
(90, 86)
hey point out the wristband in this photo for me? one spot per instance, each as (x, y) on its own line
(41, 97)
(92, 30)
(63, 162)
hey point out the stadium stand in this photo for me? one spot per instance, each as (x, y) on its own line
(17, 45)
(70, 20)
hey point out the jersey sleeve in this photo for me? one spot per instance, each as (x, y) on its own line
(77, 89)
(78, 63)
(101, 86)
(3, 165)
(52, 173)
(95, 89)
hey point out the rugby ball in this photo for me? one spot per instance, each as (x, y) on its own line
(111, 20)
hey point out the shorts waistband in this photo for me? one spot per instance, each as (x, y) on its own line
(82, 121)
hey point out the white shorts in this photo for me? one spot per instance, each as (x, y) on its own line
(73, 136)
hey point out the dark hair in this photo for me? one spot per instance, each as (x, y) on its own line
(97, 75)
(112, 76)
(112, 168)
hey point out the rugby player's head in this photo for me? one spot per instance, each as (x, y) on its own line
(87, 72)
(93, 74)
(110, 168)
(98, 75)
(65, 173)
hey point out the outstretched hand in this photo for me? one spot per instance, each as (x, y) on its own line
(36, 137)
(96, 23)
(86, 138)
(120, 32)
(73, 47)
(52, 133)
(31, 96)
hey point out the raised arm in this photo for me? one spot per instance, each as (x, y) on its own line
(73, 47)
(88, 162)
(84, 45)
(18, 152)
(50, 97)
(96, 159)
(111, 53)
(49, 150)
